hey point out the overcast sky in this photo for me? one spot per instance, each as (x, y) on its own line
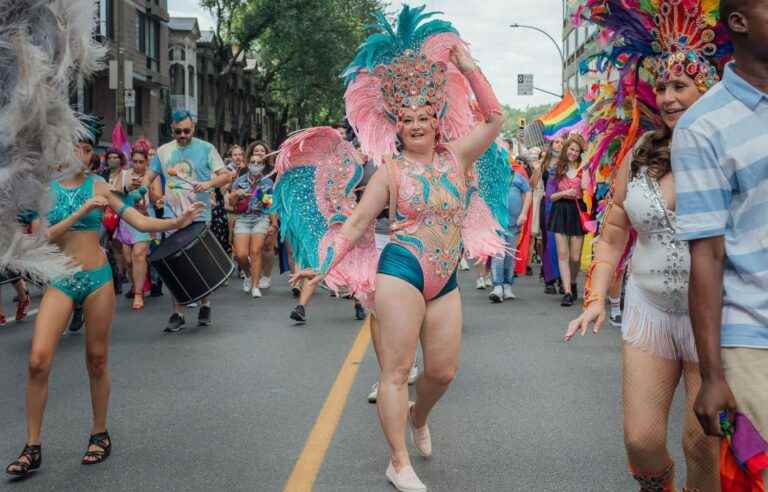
(502, 52)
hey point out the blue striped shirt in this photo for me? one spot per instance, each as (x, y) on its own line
(720, 163)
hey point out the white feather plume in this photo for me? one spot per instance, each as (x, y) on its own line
(44, 44)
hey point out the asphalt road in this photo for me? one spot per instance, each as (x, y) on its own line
(230, 407)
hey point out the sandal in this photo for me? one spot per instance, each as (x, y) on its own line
(138, 302)
(22, 308)
(101, 440)
(30, 459)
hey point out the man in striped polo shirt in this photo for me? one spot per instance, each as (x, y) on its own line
(720, 164)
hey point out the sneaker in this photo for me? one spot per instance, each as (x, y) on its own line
(156, 291)
(265, 283)
(247, 284)
(508, 294)
(192, 305)
(480, 284)
(256, 293)
(463, 265)
(413, 375)
(204, 316)
(420, 438)
(360, 313)
(497, 295)
(299, 315)
(175, 324)
(615, 319)
(567, 300)
(22, 308)
(488, 282)
(550, 289)
(374, 393)
(78, 319)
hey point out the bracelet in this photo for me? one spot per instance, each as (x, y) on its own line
(589, 300)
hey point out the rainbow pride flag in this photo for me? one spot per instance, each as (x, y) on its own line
(563, 118)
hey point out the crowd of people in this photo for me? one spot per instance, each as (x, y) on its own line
(400, 210)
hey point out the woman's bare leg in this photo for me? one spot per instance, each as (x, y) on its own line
(51, 321)
(563, 260)
(440, 346)
(400, 313)
(648, 390)
(99, 310)
(701, 452)
(575, 246)
(242, 250)
(257, 248)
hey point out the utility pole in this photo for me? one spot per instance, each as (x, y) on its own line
(120, 92)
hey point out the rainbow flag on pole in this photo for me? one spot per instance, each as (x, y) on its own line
(563, 118)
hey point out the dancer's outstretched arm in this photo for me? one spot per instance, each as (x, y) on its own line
(470, 147)
(607, 253)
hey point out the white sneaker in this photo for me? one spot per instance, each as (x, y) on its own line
(374, 394)
(255, 293)
(508, 294)
(497, 295)
(265, 283)
(247, 284)
(480, 284)
(405, 480)
(414, 374)
(463, 265)
(420, 438)
(488, 282)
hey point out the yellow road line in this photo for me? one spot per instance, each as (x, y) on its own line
(311, 458)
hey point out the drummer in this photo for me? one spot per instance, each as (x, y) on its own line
(191, 168)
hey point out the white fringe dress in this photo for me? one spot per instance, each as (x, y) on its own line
(656, 305)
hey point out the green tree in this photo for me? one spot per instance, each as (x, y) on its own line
(299, 48)
(512, 117)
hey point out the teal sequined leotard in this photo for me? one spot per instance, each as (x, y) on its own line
(67, 201)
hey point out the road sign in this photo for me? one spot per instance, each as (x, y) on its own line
(525, 84)
(130, 98)
(522, 123)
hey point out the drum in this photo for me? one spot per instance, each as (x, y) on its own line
(192, 263)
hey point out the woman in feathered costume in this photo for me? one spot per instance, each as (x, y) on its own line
(425, 113)
(682, 44)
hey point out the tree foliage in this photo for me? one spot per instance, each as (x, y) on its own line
(512, 117)
(300, 48)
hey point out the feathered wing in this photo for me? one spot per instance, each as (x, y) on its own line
(487, 211)
(43, 45)
(318, 172)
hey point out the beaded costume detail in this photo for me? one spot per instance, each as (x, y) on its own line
(430, 214)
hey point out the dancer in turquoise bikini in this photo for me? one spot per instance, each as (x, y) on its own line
(74, 224)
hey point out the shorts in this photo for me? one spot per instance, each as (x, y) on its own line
(252, 224)
(746, 371)
(84, 283)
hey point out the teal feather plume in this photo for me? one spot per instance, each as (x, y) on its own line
(494, 177)
(413, 29)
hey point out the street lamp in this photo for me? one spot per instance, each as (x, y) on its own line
(559, 50)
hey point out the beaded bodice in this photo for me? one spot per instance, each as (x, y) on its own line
(67, 201)
(660, 263)
(430, 211)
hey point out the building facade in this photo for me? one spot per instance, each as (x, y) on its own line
(577, 45)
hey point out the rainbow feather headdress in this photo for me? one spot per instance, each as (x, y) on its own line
(406, 66)
(671, 37)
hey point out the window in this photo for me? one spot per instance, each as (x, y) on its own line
(138, 111)
(141, 32)
(177, 80)
(153, 45)
(106, 28)
(192, 81)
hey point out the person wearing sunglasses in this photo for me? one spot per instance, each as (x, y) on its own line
(191, 168)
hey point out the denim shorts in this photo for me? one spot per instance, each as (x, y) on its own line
(252, 224)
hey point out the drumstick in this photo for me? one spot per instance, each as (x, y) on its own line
(175, 174)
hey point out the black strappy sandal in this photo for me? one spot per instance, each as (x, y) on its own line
(34, 458)
(101, 440)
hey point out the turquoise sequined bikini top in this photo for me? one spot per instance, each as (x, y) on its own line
(67, 201)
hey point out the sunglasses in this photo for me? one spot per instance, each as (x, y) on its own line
(179, 131)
